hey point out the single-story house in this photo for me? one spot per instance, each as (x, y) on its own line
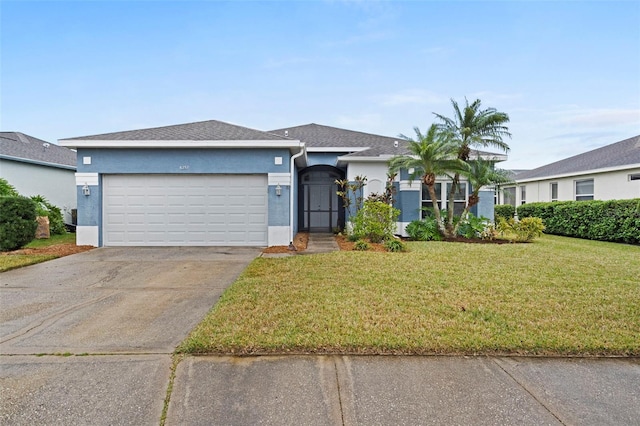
(37, 167)
(611, 172)
(215, 183)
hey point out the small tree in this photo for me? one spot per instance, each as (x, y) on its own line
(352, 194)
(432, 154)
(481, 173)
(470, 127)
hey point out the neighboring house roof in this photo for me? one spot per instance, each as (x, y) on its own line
(20, 147)
(211, 130)
(618, 155)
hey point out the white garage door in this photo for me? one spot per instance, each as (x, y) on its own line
(189, 210)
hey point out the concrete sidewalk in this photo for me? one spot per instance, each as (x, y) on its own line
(392, 390)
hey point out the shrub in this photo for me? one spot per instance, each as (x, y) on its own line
(395, 245)
(423, 230)
(7, 190)
(614, 220)
(506, 211)
(361, 245)
(472, 227)
(376, 221)
(17, 222)
(524, 229)
(45, 208)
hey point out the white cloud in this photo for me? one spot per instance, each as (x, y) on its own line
(600, 117)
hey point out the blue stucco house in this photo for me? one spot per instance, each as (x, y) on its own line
(213, 183)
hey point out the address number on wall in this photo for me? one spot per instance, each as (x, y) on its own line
(184, 167)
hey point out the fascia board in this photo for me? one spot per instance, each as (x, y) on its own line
(38, 163)
(380, 159)
(581, 173)
(337, 149)
(79, 143)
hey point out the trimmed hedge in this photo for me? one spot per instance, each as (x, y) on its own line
(17, 222)
(616, 220)
(506, 211)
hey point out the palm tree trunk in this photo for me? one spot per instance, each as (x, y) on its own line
(436, 208)
(450, 230)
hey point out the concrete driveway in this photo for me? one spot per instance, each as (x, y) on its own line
(138, 303)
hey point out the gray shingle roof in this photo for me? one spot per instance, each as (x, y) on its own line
(211, 130)
(318, 136)
(626, 152)
(30, 149)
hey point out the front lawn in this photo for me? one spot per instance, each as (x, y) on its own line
(554, 296)
(38, 251)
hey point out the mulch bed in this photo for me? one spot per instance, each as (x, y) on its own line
(59, 250)
(300, 242)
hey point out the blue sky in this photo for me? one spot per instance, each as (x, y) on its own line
(567, 73)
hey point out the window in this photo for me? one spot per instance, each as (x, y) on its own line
(442, 192)
(634, 176)
(510, 196)
(459, 198)
(554, 191)
(426, 197)
(584, 190)
(523, 194)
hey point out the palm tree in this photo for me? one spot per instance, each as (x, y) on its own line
(481, 173)
(473, 127)
(432, 154)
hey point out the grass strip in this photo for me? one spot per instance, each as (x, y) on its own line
(557, 296)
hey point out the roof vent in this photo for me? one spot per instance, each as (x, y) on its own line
(286, 133)
(395, 144)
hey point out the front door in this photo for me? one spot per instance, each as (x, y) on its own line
(320, 207)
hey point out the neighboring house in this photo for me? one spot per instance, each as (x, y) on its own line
(611, 172)
(214, 183)
(37, 167)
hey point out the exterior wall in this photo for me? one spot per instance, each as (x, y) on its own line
(94, 163)
(375, 172)
(55, 184)
(606, 186)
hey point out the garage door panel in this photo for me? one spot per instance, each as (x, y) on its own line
(185, 210)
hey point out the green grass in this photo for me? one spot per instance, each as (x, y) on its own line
(8, 262)
(554, 296)
(68, 238)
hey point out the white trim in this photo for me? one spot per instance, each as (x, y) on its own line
(401, 226)
(179, 144)
(279, 179)
(37, 163)
(337, 148)
(87, 236)
(86, 179)
(408, 185)
(379, 159)
(580, 173)
(278, 236)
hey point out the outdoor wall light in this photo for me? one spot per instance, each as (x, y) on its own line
(278, 190)
(85, 190)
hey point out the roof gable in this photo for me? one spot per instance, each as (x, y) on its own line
(21, 147)
(619, 154)
(211, 130)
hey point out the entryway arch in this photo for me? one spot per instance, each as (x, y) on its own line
(319, 207)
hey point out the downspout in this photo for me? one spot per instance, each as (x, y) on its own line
(291, 189)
